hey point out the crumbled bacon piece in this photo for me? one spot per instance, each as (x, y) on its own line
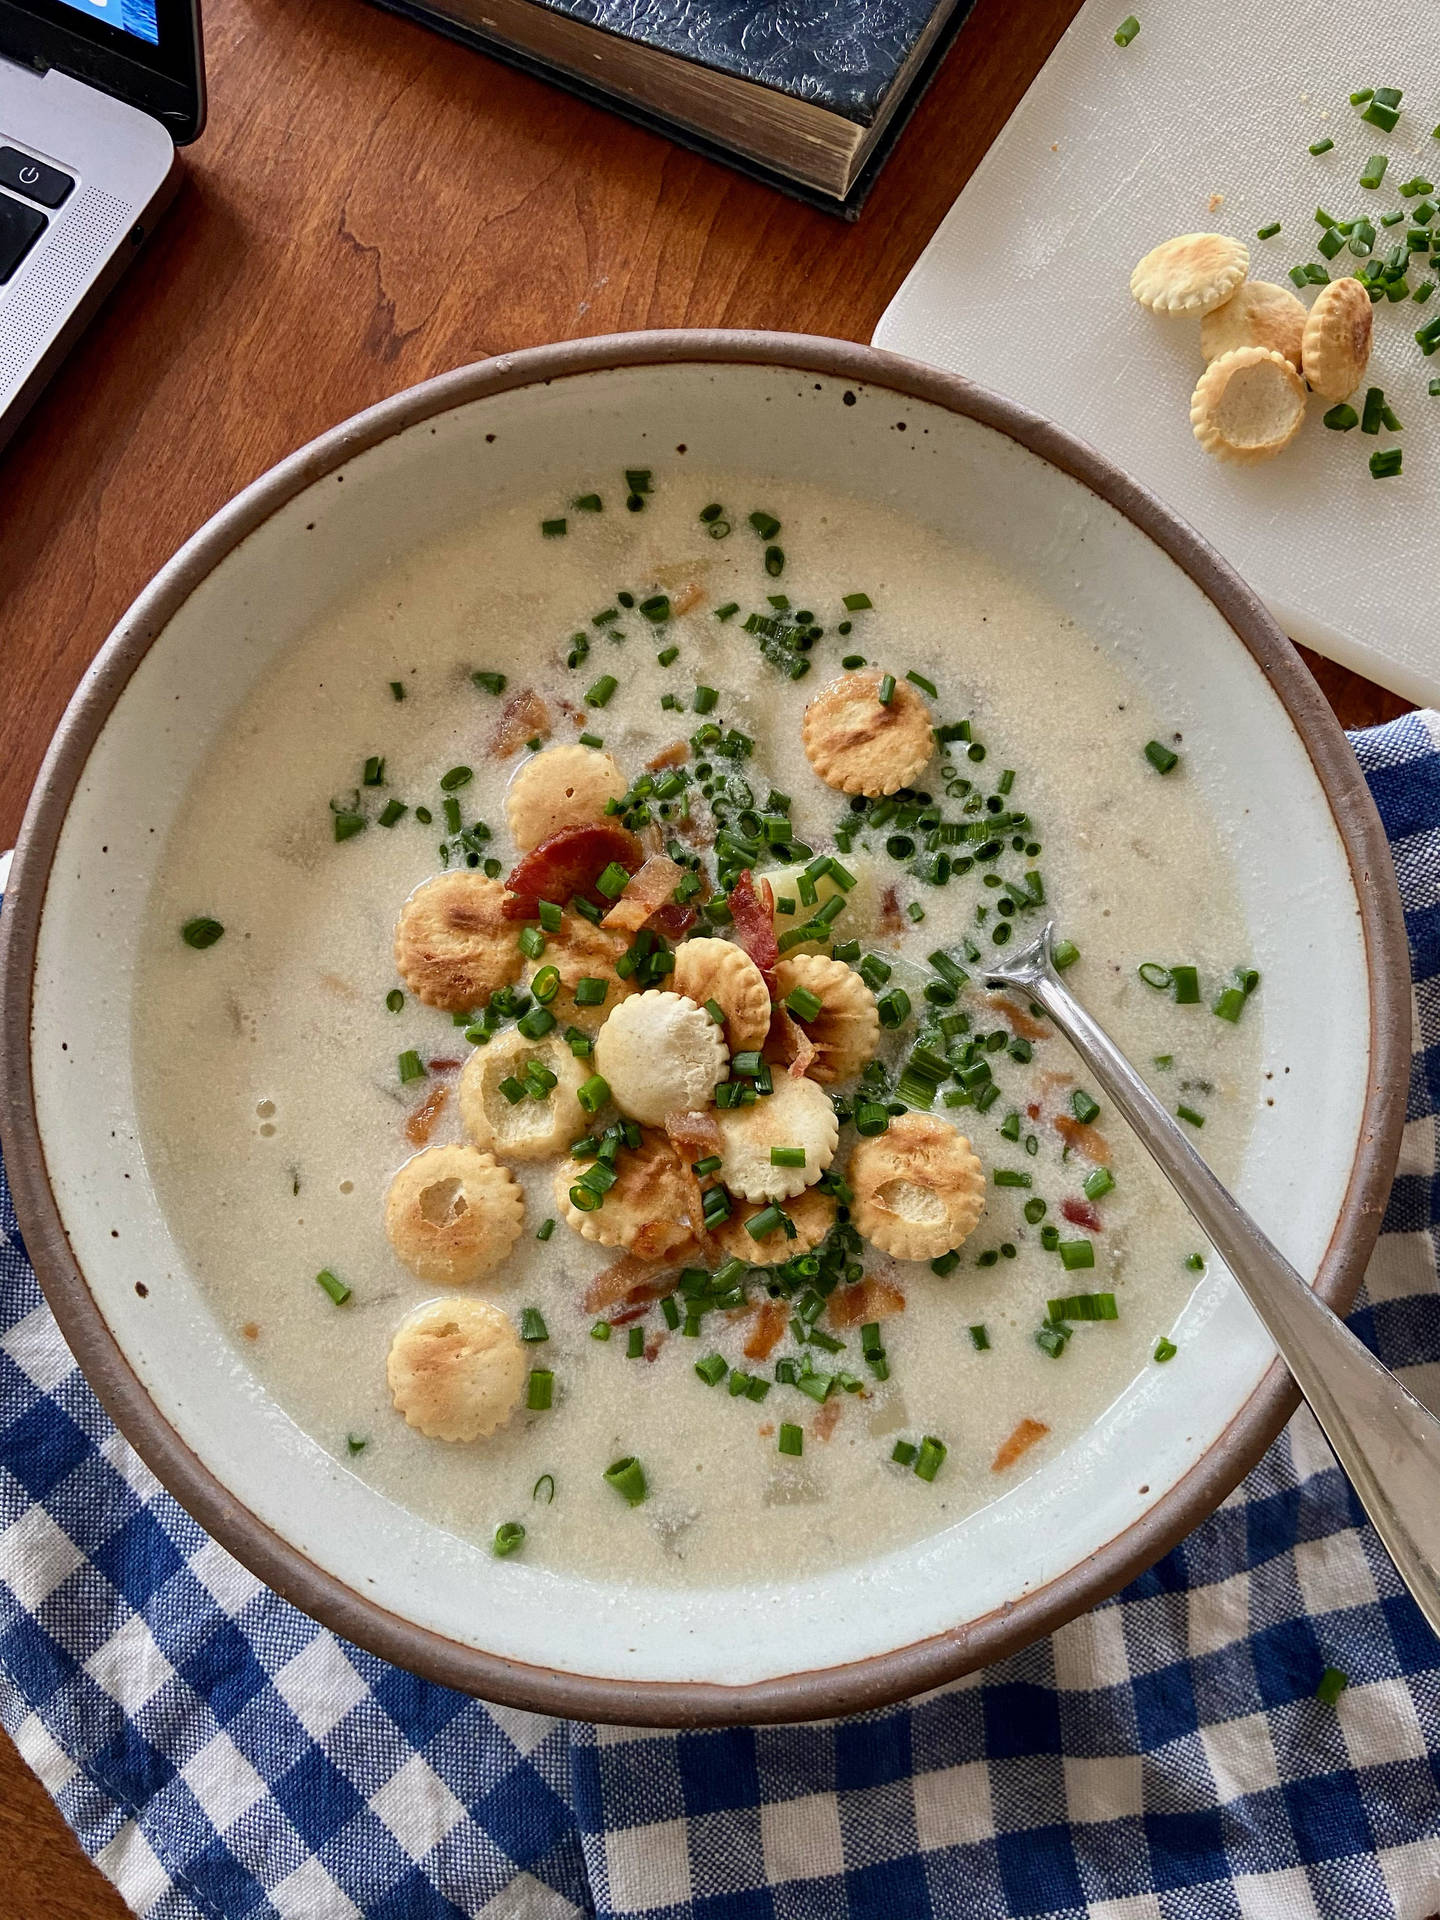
(675, 755)
(446, 1066)
(625, 1277)
(672, 921)
(1083, 1138)
(1017, 1019)
(569, 862)
(421, 1123)
(1020, 1441)
(753, 910)
(694, 1135)
(645, 893)
(1080, 1213)
(789, 1043)
(890, 920)
(771, 1318)
(868, 1299)
(823, 1425)
(654, 1344)
(523, 716)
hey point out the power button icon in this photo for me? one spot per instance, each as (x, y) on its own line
(23, 173)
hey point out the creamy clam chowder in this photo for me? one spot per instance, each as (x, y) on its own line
(562, 1045)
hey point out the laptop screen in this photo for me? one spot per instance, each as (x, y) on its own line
(133, 16)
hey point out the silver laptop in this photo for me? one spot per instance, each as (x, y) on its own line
(95, 96)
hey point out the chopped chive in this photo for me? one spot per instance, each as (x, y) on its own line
(635, 1344)
(856, 602)
(769, 1220)
(945, 1264)
(601, 1330)
(1333, 1682)
(804, 1004)
(1065, 954)
(787, 1156)
(1268, 232)
(667, 656)
(336, 1288)
(552, 529)
(1186, 982)
(1098, 1183)
(1385, 463)
(765, 524)
(348, 824)
(1165, 1350)
(1161, 757)
(1364, 95)
(931, 1457)
(532, 1324)
(1322, 146)
(1082, 1306)
(599, 694)
(774, 561)
(540, 1390)
(1084, 1108)
(980, 1339)
(489, 682)
(925, 686)
(1341, 419)
(589, 503)
(904, 1453)
(395, 1000)
(456, 778)
(593, 1093)
(509, 1537)
(791, 1439)
(1007, 1177)
(705, 699)
(1075, 1254)
(1127, 30)
(201, 933)
(627, 1477)
(1379, 114)
(887, 689)
(728, 611)
(712, 1369)
(397, 689)
(545, 1229)
(1189, 1114)
(1374, 171)
(410, 1067)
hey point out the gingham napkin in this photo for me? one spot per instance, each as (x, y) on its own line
(1164, 1758)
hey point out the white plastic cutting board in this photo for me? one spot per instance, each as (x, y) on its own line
(1025, 288)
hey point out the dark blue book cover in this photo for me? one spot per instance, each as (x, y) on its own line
(843, 55)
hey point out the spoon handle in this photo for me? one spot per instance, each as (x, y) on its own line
(1385, 1440)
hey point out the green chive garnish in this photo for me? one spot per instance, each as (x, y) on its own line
(887, 689)
(1083, 1106)
(765, 524)
(1161, 757)
(1322, 146)
(1165, 1350)
(1374, 171)
(1082, 1306)
(1385, 463)
(599, 694)
(931, 1457)
(532, 1325)
(627, 1477)
(397, 689)
(925, 686)
(1075, 1254)
(509, 1536)
(1065, 953)
(201, 933)
(552, 529)
(787, 1156)
(1189, 1114)
(489, 682)
(1127, 30)
(540, 1390)
(980, 1339)
(1269, 232)
(1097, 1185)
(1333, 1682)
(1341, 419)
(410, 1067)
(336, 1288)
(593, 1093)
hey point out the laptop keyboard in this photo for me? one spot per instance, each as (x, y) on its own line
(21, 221)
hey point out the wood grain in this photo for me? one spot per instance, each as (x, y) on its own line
(369, 206)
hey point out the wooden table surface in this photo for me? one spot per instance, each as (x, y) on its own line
(371, 205)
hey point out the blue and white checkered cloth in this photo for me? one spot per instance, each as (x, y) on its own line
(1163, 1758)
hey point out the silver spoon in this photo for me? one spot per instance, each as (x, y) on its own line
(1382, 1436)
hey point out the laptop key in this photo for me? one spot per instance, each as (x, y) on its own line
(20, 228)
(24, 174)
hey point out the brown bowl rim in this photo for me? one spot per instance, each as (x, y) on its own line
(881, 1678)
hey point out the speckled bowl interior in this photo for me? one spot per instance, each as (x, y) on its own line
(1311, 873)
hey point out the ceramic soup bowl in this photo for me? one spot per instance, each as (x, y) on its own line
(1314, 879)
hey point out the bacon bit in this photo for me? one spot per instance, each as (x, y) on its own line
(694, 1136)
(673, 922)
(890, 920)
(645, 893)
(1020, 1441)
(653, 1345)
(1018, 1020)
(698, 832)
(576, 715)
(766, 1429)
(1032, 1107)
(771, 1318)
(624, 1278)
(251, 1329)
(687, 599)
(1084, 1139)
(788, 1042)
(569, 862)
(446, 1066)
(637, 1312)
(523, 715)
(754, 916)
(675, 755)
(868, 1299)
(823, 1425)
(1080, 1213)
(421, 1123)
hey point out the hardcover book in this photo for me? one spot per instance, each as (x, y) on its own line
(809, 96)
